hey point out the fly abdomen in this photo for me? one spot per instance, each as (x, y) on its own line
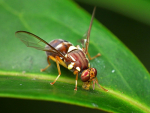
(78, 60)
(60, 45)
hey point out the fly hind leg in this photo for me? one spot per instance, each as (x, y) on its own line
(91, 58)
(57, 60)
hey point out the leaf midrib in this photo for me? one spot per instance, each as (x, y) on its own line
(113, 93)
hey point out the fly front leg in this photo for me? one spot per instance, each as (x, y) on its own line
(57, 59)
(48, 57)
(91, 58)
(96, 81)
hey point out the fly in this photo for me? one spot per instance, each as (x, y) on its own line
(66, 54)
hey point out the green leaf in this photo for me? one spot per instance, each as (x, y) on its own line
(119, 70)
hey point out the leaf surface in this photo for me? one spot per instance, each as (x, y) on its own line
(119, 70)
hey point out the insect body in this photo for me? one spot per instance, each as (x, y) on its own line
(64, 53)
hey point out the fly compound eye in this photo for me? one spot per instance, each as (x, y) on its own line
(85, 76)
(93, 73)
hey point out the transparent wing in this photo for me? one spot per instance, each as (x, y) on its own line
(31, 40)
(83, 41)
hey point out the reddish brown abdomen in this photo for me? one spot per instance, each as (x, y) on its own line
(60, 45)
(78, 57)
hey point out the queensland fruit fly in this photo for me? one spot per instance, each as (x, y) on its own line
(65, 53)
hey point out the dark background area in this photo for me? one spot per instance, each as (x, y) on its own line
(10, 105)
(135, 35)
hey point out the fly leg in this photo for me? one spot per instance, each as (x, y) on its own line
(96, 81)
(57, 60)
(76, 73)
(91, 58)
(48, 57)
